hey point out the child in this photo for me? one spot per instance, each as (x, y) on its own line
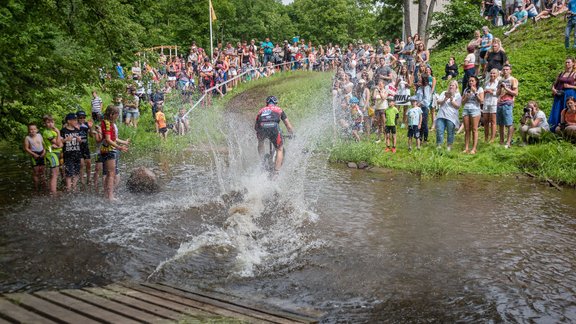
(96, 132)
(161, 122)
(414, 115)
(391, 117)
(33, 147)
(182, 123)
(357, 119)
(71, 138)
(53, 146)
(84, 128)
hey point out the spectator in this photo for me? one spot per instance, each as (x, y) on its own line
(568, 120)
(380, 97)
(518, 18)
(424, 95)
(469, 67)
(489, 107)
(496, 57)
(570, 24)
(415, 118)
(507, 92)
(406, 54)
(552, 8)
(447, 120)
(485, 46)
(562, 89)
(268, 50)
(110, 148)
(33, 146)
(96, 105)
(53, 146)
(72, 155)
(472, 98)
(451, 69)
(533, 122)
(120, 70)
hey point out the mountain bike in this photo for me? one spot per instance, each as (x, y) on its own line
(269, 159)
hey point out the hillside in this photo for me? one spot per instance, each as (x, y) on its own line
(536, 53)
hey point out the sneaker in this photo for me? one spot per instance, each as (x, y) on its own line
(378, 141)
(387, 149)
(506, 146)
(448, 149)
(393, 150)
(409, 148)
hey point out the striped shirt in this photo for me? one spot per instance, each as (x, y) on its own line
(96, 105)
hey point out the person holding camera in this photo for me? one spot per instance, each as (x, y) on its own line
(567, 127)
(563, 88)
(533, 122)
(507, 92)
(449, 103)
(268, 50)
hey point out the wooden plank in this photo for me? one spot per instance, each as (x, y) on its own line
(137, 304)
(265, 315)
(140, 297)
(19, 314)
(49, 309)
(196, 304)
(84, 307)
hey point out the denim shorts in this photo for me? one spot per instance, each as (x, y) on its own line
(504, 115)
(471, 111)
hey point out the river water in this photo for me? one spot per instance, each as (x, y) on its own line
(355, 246)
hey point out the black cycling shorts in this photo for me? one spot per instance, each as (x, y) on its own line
(273, 134)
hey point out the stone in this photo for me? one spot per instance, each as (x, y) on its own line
(362, 165)
(352, 165)
(142, 180)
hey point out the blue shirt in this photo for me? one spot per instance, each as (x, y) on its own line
(572, 6)
(414, 114)
(268, 46)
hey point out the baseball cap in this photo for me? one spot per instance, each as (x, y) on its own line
(71, 116)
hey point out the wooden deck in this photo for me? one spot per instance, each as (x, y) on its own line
(138, 303)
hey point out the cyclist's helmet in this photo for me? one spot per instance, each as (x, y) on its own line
(271, 100)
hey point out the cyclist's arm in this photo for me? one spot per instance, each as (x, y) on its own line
(288, 125)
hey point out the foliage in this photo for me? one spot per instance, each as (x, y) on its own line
(457, 22)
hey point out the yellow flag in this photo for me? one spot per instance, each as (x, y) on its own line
(212, 13)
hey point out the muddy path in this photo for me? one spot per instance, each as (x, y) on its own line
(248, 102)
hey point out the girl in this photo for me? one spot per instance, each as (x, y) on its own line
(472, 99)
(110, 148)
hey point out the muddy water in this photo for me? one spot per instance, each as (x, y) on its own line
(356, 246)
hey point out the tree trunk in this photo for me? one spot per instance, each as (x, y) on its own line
(407, 28)
(428, 22)
(422, 9)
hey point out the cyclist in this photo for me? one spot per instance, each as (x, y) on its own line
(268, 126)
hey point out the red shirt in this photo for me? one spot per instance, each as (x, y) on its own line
(108, 128)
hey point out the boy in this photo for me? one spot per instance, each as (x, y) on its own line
(53, 146)
(33, 147)
(161, 122)
(84, 128)
(391, 116)
(71, 138)
(96, 104)
(357, 119)
(414, 116)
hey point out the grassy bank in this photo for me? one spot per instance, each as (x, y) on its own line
(536, 53)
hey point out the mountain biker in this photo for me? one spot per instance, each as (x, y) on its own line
(268, 126)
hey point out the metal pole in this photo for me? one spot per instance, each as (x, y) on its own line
(210, 16)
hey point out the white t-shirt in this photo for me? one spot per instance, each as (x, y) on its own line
(471, 58)
(491, 99)
(543, 122)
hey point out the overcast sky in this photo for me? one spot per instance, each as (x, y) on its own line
(287, 1)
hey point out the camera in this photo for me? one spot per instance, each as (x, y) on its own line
(527, 110)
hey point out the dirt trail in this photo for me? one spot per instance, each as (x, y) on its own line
(247, 102)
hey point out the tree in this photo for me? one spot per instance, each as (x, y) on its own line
(455, 23)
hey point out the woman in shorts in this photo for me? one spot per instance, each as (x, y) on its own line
(472, 98)
(489, 107)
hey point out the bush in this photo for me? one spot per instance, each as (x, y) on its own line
(458, 21)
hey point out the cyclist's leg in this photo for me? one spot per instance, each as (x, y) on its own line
(279, 158)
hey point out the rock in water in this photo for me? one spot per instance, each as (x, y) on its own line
(142, 180)
(362, 165)
(352, 165)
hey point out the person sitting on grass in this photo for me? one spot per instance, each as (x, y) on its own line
(392, 114)
(518, 18)
(414, 116)
(451, 69)
(568, 120)
(533, 122)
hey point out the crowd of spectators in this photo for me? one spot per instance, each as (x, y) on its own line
(372, 83)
